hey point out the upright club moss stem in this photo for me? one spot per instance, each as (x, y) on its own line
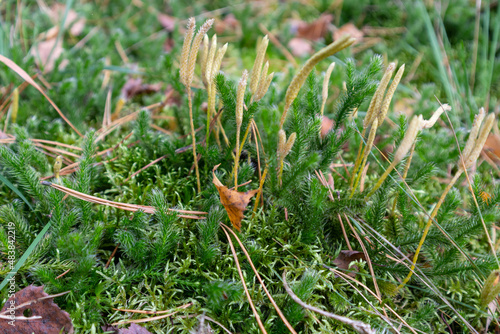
(428, 226)
(193, 135)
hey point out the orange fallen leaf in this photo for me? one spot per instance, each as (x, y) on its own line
(326, 126)
(234, 202)
(167, 22)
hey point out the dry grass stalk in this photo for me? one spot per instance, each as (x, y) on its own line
(278, 310)
(152, 318)
(358, 326)
(250, 301)
(301, 76)
(122, 206)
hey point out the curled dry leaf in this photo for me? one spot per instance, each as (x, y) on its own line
(47, 316)
(47, 52)
(234, 202)
(346, 257)
(348, 29)
(314, 30)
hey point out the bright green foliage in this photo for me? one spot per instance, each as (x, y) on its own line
(162, 261)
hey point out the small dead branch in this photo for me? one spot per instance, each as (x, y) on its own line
(358, 326)
(119, 205)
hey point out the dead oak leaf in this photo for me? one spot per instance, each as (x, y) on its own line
(53, 319)
(234, 202)
(343, 261)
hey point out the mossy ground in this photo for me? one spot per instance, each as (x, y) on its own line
(163, 261)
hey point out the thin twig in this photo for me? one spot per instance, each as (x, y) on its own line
(290, 328)
(358, 326)
(257, 317)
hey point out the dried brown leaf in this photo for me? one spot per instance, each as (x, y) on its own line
(53, 319)
(492, 147)
(134, 87)
(229, 23)
(47, 52)
(348, 29)
(234, 202)
(346, 257)
(326, 126)
(167, 22)
(73, 21)
(300, 47)
(314, 30)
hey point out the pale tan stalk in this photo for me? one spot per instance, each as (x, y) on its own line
(366, 152)
(301, 76)
(481, 139)
(390, 93)
(377, 98)
(471, 142)
(208, 78)
(430, 123)
(403, 148)
(257, 66)
(284, 148)
(324, 93)
(468, 161)
(15, 105)
(204, 58)
(193, 54)
(210, 59)
(240, 96)
(186, 47)
(263, 87)
(188, 62)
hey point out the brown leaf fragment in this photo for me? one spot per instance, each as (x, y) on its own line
(346, 257)
(134, 329)
(134, 87)
(76, 24)
(229, 23)
(234, 202)
(326, 126)
(167, 22)
(47, 316)
(492, 147)
(348, 29)
(300, 47)
(47, 52)
(314, 30)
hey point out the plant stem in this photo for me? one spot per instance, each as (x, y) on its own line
(405, 173)
(193, 135)
(237, 158)
(358, 158)
(428, 226)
